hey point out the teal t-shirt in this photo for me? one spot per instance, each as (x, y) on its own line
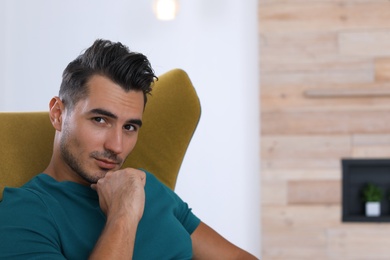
(46, 219)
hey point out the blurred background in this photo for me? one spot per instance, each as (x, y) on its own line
(215, 42)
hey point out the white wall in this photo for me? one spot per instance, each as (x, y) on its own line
(214, 41)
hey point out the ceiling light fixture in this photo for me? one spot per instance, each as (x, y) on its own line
(166, 9)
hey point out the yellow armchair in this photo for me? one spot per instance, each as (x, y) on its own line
(171, 116)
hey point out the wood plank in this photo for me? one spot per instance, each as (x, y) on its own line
(291, 98)
(364, 242)
(340, 122)
(274, 59)
(371, 140)
(369, 43)
(348, 93)
(304, 151)
(314, 192)
(294, 244)
(293, 17)
(379, 151)
(299, 163)
(299, 218)
(269, 174)
(304, 146)
(298, 16)
(281, 51)
(371, 146)
(382, 69)
(296, 231)
(274, 193)
(306, 52)
(328, 76)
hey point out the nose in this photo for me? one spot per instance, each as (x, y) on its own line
(114, 140)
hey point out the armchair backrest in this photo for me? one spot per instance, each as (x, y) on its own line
(171, 116)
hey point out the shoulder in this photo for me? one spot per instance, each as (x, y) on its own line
(26, 221)
(152, 181)
(25, 212)
(28, 200)
(21, 201)
(156, 190)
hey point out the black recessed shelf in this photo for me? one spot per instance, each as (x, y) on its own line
(356, 174)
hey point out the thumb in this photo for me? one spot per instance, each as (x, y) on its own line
(93, 186)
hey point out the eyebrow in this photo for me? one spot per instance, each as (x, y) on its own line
(106, 113)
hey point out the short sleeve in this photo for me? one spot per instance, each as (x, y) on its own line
(181, 209)
(27, 228)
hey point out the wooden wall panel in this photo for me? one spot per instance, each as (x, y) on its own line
(302, 152)
(365, 43)
(279, 147)
(294, 98)
(331, 123)
(300, 218)
(305, 16)
(371, 140)
(283, 52)
(287, 236)
(287, 174)
(293, 244)
(382, 69)
(325, 96)
(329, 76)
(365, 242)
(324, 192)
(274, 193)
(371, 146)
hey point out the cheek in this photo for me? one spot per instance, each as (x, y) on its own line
(81, 136)
(88, 140)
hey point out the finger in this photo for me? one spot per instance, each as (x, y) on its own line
(143, 177)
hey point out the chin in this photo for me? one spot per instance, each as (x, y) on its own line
(94, 177)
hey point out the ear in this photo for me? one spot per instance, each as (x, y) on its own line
(56, 113)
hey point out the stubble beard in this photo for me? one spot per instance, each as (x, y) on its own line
(71, 160)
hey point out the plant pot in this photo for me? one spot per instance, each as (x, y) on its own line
(373, 209)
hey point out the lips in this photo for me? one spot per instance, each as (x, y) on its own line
(106, 164)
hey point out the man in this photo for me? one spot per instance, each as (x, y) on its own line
(84, 205)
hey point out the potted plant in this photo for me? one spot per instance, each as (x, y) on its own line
(372, 196)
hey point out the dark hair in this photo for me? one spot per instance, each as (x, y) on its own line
(130, 70)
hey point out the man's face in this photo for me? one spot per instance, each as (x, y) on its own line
(101, 130)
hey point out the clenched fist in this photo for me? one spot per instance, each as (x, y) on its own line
(121, 193)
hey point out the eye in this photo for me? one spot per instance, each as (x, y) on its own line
(130, 128)
(100, 120)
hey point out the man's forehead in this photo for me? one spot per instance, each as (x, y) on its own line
(122, 105)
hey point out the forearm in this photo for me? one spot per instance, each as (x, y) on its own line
(225, 254)
(122, 198)
(117, 239)
(243, 255)
(208, 244)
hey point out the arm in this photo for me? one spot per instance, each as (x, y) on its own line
(122, 199)
(208, 244)
(27, 229)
